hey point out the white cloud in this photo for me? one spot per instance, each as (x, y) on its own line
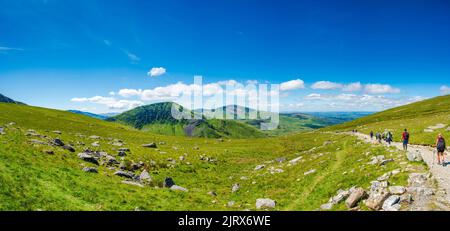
(292, 85)
(156, 71)
(112, 93)
(326, 85)
(445, 90)
(380, 89)
(110, 102)
(352, 87)
(252, 82)
(129, 92)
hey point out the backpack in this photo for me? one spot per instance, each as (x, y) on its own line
(441, 144)
(406, 135)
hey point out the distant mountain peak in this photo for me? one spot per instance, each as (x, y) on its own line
(4, 99)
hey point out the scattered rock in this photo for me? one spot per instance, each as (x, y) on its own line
(259, 167)
(124, 150)
(95, 144)
(428, 130)
(391, 203)
(414, 156)
(265, 203)
(118, 144)
(212, 193)
(168, 182)
(376, 199)
(58, 142)
(328, 142)
(280, 159)
(309, 172)
(230, 203)
(68, 148)
(57, 132)
(94, 137)
(235, 188)
(38, 142)
(129, 175)
(121, 153)
(145, 177)
(90, 169)
(326, 206)
(178, 188)
(384, 177)
(356, 195)
(150, 145)
(397, 190)
(340, 196)
(294, 161)
(88, 158)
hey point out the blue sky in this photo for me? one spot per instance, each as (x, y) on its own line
(76, 54)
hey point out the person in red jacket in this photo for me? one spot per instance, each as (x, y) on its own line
(405, 139)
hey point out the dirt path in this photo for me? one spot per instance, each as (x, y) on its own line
(440, 173)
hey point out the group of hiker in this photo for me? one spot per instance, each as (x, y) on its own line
(388, 137)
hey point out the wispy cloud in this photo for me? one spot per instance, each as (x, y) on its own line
(110, 102)
(292, 85)
(5, 50)
(380, 89)
(133, 57)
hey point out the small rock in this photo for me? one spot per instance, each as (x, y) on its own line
(178, 188)
(327, 206)
(38, 142)
(376, 199)
(90, 169)
(129, 175)
(150, 145)
(259, 167)
(124, 150)
(265, 203)
(390, 202)
(294, 161)
(280, 159)
(168, 182)
(356, 195)
(68, 148)
(94, 137)
(58, 142)
(230, 203)
(57, 132)
(95, 144)
(212, 193)
(397, 190)
(309, 172)
(235, 188)
(414, 156)
(145, 177)
(121, 153)
(88, 158)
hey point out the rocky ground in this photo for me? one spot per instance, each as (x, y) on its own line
(427, 189)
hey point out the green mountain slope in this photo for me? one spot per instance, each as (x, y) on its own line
(4, 99)
(32, 179)
(424, 120)
(288, 122)
(97, 116)
(157, 118)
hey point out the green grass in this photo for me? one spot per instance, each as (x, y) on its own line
(415, 117)
(32, 180)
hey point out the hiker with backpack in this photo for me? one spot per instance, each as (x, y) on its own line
(371, 135)
(405, 139)
(389, 138)
(440, 146)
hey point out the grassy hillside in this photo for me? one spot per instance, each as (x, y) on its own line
(34, 180)
(419, 118)
(157, 118)
(288, 122)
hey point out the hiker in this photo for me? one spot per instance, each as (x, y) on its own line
(405, 139)
(440, 146)
(371, 135)
(389, 137)
(378, 137)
